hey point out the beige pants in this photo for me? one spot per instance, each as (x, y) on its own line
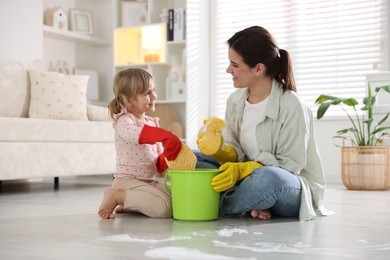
(147, 197)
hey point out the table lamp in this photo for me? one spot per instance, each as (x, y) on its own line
(151, 42)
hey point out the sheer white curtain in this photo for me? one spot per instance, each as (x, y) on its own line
(333, 43)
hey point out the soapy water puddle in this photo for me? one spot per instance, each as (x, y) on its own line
(256, 246)
(302, 248)
(223, 232)
(128, 238)
(264, 247)
(179, 253)
(228, 232)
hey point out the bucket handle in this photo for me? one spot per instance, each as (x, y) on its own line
(165, 183)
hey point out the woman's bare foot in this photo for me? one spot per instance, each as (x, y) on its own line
(111, 199)
(261, 214)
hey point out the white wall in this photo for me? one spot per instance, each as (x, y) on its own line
(325, 129)
(197, 68)
(21, 39)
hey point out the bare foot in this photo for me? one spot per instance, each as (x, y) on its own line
(118, 209)
(261, 214)
(108, 204)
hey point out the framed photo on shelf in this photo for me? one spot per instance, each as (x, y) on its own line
(133, 13)
(81, 21)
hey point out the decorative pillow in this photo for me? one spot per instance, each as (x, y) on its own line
(15, 87)
(97, 113)
(58, 96)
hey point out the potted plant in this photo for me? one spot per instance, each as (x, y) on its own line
(365, 164)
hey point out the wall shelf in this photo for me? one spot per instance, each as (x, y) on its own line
(170, 101)
(55, 33)
(142, 65)
(183, 42)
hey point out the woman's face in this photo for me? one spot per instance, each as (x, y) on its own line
(243, 75)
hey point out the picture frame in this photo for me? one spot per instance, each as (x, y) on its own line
(133, 13)
(81, 21)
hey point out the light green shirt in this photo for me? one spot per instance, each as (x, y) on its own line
(285, 139)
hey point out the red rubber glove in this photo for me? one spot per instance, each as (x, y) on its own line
(161, 164)
(171, 143)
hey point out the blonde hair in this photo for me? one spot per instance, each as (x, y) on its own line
(128, 84)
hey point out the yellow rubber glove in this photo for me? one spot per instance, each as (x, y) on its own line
(225, 154)
(231, 173)
(210, 141)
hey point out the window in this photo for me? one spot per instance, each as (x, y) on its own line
(333, 43)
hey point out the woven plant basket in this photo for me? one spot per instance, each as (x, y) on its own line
(366, 167)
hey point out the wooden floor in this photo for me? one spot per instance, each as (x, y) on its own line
(37, 222)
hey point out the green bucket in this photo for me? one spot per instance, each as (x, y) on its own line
(193, 198)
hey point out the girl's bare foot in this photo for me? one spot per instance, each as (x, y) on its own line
(109, 203)
(118, 209)
(261, 214)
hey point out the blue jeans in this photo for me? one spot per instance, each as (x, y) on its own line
(268, 187)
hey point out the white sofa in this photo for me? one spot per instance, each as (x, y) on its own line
(49, 130)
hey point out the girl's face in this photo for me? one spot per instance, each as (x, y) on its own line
(145, 102)
(243, 75)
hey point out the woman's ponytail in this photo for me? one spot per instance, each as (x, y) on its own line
(285, 75)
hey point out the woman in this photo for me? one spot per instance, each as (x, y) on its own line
(273, 165)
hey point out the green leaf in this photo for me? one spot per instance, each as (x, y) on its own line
(346, 130)
(368, 121)
(383, 119)
(323, 98)
(350, 102)
(322, 109)
(381, 129)
(365, 102)
(373, 99)
(385, 88)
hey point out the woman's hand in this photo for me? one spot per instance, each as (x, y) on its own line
(232, 172)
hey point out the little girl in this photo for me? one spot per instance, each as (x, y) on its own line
(140, 149)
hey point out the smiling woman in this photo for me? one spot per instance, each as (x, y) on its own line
(269, 161)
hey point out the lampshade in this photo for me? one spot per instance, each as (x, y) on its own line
(151, 37)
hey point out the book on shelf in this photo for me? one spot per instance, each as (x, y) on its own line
(170, 25)
(176, 24)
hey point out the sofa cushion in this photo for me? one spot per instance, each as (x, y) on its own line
(47, 130)
(58, 96)
(15, 86)
(98, 113)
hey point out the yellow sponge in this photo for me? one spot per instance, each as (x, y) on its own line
(185, 160)
(210, 136)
